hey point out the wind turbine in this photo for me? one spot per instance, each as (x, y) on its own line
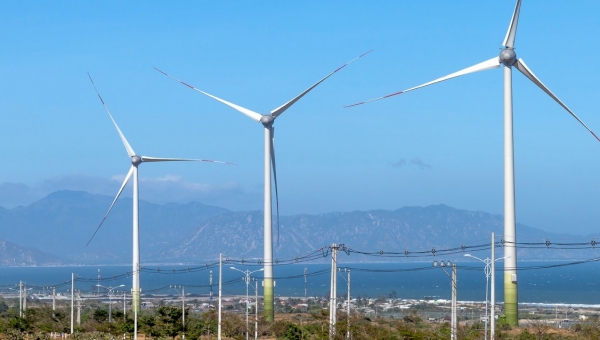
(136, 160)
(269, 160)
(507, 59)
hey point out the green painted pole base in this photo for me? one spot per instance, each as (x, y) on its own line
(511, 307)
(135, 301)
(269, 311)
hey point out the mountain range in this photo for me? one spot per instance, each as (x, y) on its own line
(56, 229)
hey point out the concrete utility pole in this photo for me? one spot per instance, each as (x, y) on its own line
(78, 307)
(53, 299)
(72, 298)
(348, 303)
(21, 299)
(220, 288)
(124, 306)
(493, 294)
(333, 291)
(305, 282)
(453, 314)
(24, 296)
(210, 283)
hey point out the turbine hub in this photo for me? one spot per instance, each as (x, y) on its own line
(508, 57)
(267, 120)
(136, 160)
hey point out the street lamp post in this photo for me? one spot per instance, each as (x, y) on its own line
(348, 302)
(182, 307)
(110, 293)
(452, 277)
(247, 280)
(487, 271)
(255, 309)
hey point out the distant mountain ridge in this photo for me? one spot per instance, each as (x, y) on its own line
(55, 230)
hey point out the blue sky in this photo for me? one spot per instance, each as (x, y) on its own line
(441, 144)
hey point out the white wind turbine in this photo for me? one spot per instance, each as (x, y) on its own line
(269, 160)
(136, 160)
(508, 59)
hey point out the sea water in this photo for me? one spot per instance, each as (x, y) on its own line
(538, 282)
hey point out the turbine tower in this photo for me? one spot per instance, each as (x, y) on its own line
(507, 59)
(269, 161)
(136, 160)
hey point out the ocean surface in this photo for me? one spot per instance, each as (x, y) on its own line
(538, 282)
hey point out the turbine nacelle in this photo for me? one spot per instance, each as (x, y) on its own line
(508, 57)
(267, 120)
(136, 160)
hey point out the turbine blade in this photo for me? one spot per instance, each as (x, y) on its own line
(522, 67)
(511, 34)
(275, 177)
(253, 115)
(113, 203)
(486, 65)
(128, 147)
(159, 159)
(287, 105)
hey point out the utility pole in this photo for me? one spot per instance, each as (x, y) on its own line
(305, 283)
(78, 307)
(493, 293)
(72, 298)
(124, 306)
(454, 317)
(256, 309)
(210, 283)
(21, 299)
(220, 288)
(53, 299)
(453, 314)
(333, 293)
(348, 302)
(24, 297)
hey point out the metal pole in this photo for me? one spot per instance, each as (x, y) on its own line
(247, 283)
(183, 310)
(24, 297)
(72, 297)
(335, 292)
(487, 279)
(348, 302)
(109, 306)
(305, 283)
(53, 299)
(220, 286)
(78, 308)
(493, 293)
(20, 299)
(332, 293)
(453, 337)
(124, 310)
(256, 310)
(211, 292)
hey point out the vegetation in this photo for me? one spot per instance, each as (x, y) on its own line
(293, 322)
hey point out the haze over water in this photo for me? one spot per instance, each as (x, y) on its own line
(572, 284)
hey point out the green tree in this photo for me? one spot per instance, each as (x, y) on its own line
(169, 320)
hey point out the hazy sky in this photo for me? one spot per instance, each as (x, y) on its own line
(441, 144)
